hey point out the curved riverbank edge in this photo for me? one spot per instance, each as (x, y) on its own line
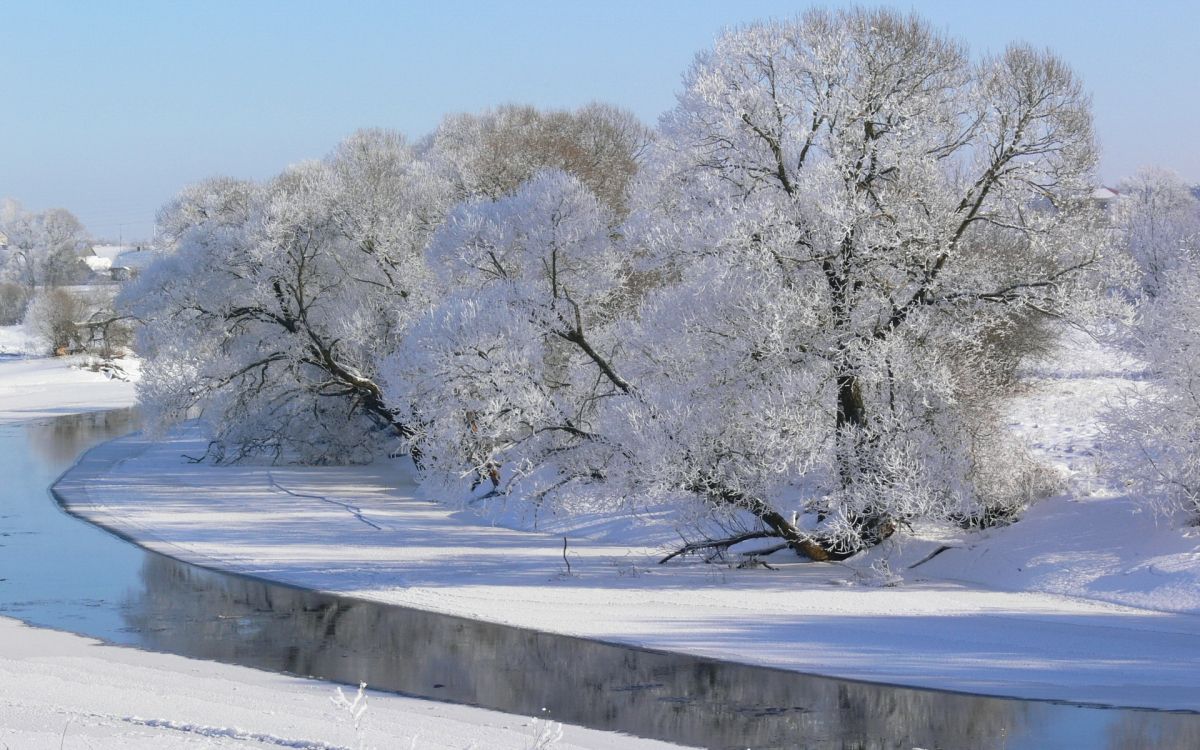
(359, 532)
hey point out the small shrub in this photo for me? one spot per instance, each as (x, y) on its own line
(55, 315)
(14, 301)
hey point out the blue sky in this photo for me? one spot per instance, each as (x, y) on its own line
(109, 108)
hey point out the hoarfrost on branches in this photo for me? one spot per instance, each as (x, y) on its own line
(868, 216)
(1154, 435)
(799, 308)
(504, 371)
(1159, 220)
(43, 249)
(267, 316)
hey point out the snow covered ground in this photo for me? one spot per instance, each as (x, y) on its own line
(34, 387)
(1094, 541)
(59, 690)
(1084, 600)
(63, 691)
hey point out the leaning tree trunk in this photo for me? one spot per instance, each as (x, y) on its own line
(777, 526)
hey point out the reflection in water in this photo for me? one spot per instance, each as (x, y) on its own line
(693, 701)
(60, 440)
(696, 702)
(1144, 730)
(67, 574)
(55, 570)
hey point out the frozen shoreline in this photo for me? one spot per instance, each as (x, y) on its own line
(361, 532)
(41, 387)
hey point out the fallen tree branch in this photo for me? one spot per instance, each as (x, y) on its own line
(930, 556)
(768, 550)
(719, 544)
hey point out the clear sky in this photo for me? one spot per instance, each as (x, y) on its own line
(109, 108)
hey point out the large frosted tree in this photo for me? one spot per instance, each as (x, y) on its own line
(863, 223)
(512, 367)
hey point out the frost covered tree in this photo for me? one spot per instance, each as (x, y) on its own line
(853, 229)
(1159, 220)
(512, 367)
(493, 153)
(1156, 435)
(44, 249)
(859, 217)
(267, 315)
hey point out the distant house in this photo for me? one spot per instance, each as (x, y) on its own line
(129, 265)
(100, 257)
(1104, 196)
(120, 262)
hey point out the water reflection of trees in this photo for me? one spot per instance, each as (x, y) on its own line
(1144, 730)
(59, 440)
(199, 613)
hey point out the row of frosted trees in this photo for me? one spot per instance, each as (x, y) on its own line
(794, 310)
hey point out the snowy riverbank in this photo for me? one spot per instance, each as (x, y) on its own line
(1038, 609)
(41, 387)
(59, 690)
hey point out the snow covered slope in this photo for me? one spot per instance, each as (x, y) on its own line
(1094, 540)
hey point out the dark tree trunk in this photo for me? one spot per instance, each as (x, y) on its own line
(873, 527)
(851, 411)
(775, 522)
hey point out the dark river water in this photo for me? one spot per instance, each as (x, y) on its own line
(57, 571)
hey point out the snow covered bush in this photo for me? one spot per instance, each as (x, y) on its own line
(54, 316)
